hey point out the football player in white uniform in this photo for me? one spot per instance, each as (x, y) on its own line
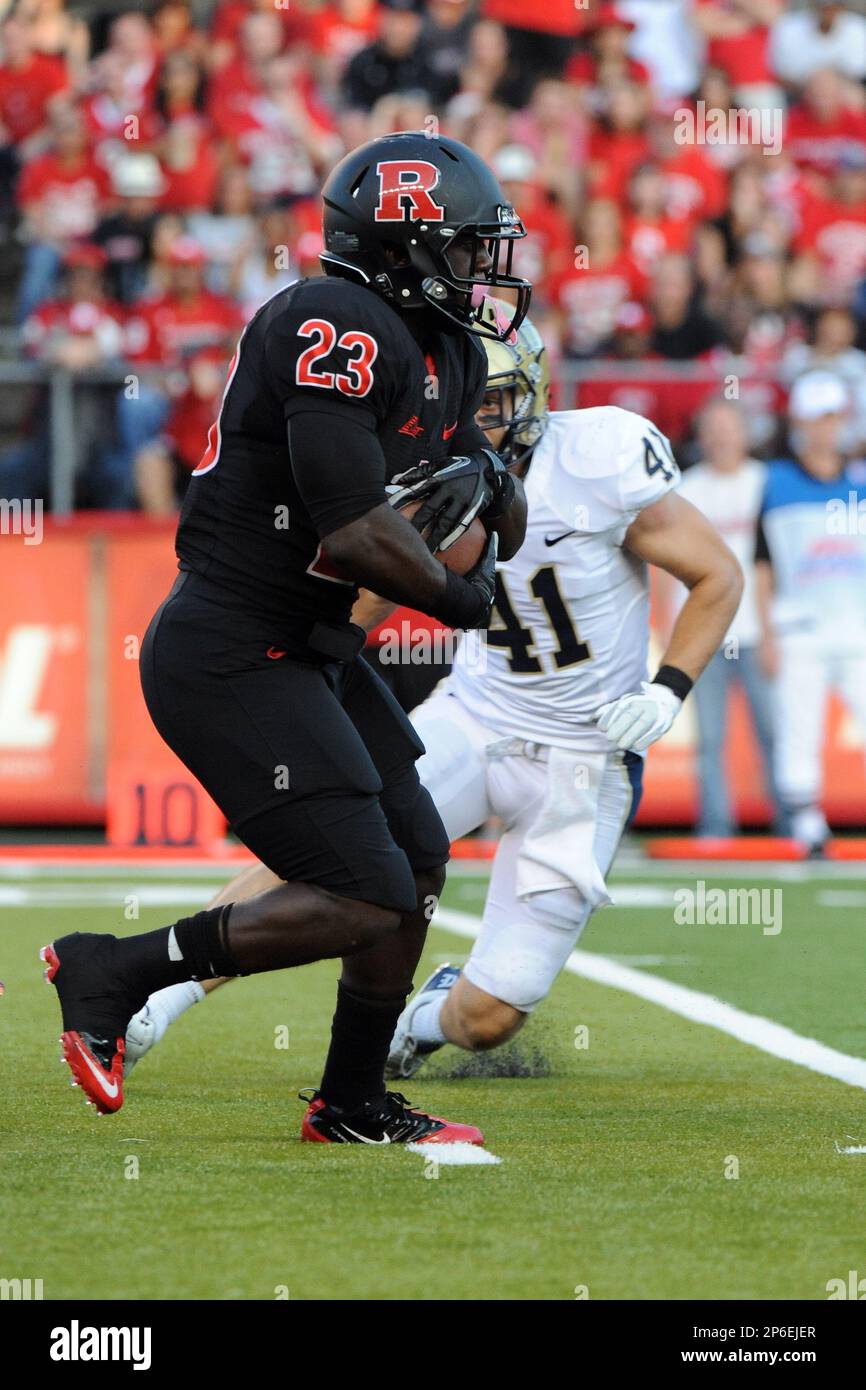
(544, 721)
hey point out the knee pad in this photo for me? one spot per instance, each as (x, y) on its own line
(519, 962)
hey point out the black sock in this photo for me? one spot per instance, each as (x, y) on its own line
(361, 1034)
(195, 948)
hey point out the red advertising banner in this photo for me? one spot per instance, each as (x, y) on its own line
(151, 798)
(51, 715)
(77, 744)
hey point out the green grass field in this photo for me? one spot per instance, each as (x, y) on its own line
(616, 1157)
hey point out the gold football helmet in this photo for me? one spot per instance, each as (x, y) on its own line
(518, 384)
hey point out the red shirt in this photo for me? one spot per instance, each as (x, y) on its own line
(836, 234)
(339, 38)
(64, 317)
(618, 153)
(545, 252)
(583, 67)
(71, 199)
(188, 425)
(229, 94)
(167, 329)
(646, 241)
(696, 187)
(743, 58)
(230, 16)
(25, 93)
(817, 144)
(193, 186)
(590, 300)
(549, 17)
(111, 129)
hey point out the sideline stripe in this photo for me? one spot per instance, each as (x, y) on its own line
(752, 1029)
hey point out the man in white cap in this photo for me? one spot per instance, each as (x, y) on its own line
(811, 563)
(126, 234)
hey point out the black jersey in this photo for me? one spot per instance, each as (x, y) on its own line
(250, 523)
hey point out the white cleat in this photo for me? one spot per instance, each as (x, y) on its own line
(809, 826)
(141, 1034)
(407, 1054)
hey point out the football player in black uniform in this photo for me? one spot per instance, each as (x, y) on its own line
(251, 668)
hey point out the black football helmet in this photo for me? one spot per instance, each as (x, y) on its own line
(423, 222)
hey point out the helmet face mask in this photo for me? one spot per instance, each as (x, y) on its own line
(425, 224)
(518, 387)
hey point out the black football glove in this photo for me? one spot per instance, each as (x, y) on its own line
(453, 496)
(482, 578)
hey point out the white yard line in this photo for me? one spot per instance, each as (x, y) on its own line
(763, 1033)
(627, 867)
(120, 895)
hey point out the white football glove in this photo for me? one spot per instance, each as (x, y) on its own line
(635, 721)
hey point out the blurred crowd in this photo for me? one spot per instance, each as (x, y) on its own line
(160, 168)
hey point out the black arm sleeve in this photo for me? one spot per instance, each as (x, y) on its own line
(468, 437)
(338, 466)
(762, 550)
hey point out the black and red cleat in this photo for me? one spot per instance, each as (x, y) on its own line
(386, 1121)
(96, 1010)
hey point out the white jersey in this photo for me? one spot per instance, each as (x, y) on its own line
(571, 625)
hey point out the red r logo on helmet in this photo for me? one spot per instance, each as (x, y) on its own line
(405, 187)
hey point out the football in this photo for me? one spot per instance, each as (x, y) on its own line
(465, 552)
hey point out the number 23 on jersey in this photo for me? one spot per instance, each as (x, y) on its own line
(361, 350)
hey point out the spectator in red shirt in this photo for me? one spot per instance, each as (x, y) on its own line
(650, 231)
(738, 42)
(187, 317)
(80, 330)
(132, 39)
(697, 189)
(190, 164)
(113, 127)
(232, 89)
(336, 33)
(831, 243)
(62, 195)
(619, 142)
(606, 63)
(823, 126)
(162, 467)
(82, 327)
(278, 137)
(164, 332)
(603, 278)
(226, 34)
(29, 83)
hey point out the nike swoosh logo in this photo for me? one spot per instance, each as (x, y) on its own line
(274, 653)
(360, 1137)
(110, 1088)
(554, 540)
(446, 434)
